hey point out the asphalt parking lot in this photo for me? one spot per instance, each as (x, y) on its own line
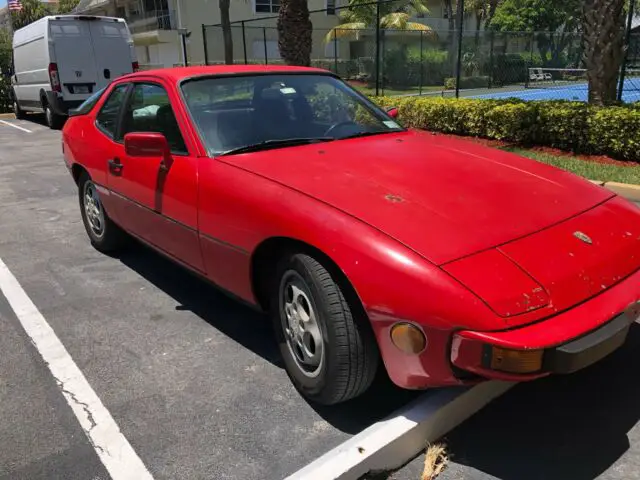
(193, 379)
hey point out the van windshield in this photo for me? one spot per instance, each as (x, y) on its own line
(244, 113)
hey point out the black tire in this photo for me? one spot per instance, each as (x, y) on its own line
(350, 353)
(17, 111)
(54, 121)
(111, 237)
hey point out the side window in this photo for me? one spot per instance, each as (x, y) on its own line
(107, 118)
(149, 110)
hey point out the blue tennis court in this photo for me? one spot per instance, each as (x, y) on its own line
(572, 91)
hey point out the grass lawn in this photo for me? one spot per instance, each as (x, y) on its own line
(607, 172)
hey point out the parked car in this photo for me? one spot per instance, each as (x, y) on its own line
(368, 244)
(62, 60)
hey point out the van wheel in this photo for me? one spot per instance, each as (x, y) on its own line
(54, 121)
(17, 111)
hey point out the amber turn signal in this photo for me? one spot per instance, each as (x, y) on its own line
(516, 361)
(408, 338)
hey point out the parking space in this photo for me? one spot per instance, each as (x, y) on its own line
(578, 427)
(191, 377)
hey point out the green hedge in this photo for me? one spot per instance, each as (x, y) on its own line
(5, 94)
(572, 126)
(467, 82)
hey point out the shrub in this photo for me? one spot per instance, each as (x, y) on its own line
(5, 94)
(404, 66)
(507, 69)
(572, 126)
(467, 82)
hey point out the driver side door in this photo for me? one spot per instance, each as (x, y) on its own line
(158, 200)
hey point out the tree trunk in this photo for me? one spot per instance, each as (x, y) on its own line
(448, 8)
(478, 25)
(493, 5)
(227, 37)
(603, 41)
(294, 32)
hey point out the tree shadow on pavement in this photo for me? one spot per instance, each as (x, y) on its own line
(566, 427)
(253, 331)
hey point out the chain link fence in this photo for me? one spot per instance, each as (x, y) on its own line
(467, 61)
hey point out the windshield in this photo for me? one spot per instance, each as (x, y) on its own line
(233, 113)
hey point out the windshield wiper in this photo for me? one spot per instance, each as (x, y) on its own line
(368, 134)
(275, 143)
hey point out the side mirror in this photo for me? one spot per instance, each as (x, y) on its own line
(392, 112)
(149, 144)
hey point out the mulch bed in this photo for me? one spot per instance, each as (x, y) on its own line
(546, 150)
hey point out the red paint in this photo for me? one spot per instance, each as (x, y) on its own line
(552, 332)
(444, 233)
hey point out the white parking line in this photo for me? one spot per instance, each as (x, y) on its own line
(113, 449)
(4, 122)
(391, 443)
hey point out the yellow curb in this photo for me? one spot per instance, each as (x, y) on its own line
(630, 192)
(7, 115)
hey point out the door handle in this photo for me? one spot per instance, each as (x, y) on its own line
(115, 166)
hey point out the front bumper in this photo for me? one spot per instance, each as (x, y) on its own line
(474, 352)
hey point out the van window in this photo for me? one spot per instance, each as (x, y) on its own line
(107, 119)
(149, 110)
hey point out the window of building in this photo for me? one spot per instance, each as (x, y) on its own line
(331, 7)
(267, 6)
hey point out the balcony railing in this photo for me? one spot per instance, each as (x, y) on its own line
(151, 21)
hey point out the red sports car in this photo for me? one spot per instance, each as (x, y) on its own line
(366, 242)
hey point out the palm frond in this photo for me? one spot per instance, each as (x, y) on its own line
(345, 30)
(419, 6)
(396, 20)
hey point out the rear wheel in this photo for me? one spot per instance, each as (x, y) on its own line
(105, 235)
(327, 346)
(54, 121)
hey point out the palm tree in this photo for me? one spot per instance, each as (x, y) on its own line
(361, 15)
(225, 23)
(480, 10)
(603, 41)
(294, 32)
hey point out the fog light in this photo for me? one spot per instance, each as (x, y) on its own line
(516, 361)
(408, 338)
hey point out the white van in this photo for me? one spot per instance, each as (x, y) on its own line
(61, 60)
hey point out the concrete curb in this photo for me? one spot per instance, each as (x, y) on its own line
(390, 443)
(7, 115)
(627, 190)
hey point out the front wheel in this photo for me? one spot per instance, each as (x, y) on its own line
(17, 111)
(105, 235)
(328, 348)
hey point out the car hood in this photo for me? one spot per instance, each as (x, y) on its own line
(442, 197)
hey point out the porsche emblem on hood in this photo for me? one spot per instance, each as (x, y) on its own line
(582, 236)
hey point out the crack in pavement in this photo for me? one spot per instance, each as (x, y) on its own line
(85, 408)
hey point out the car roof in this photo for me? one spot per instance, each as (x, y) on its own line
(180, 73)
